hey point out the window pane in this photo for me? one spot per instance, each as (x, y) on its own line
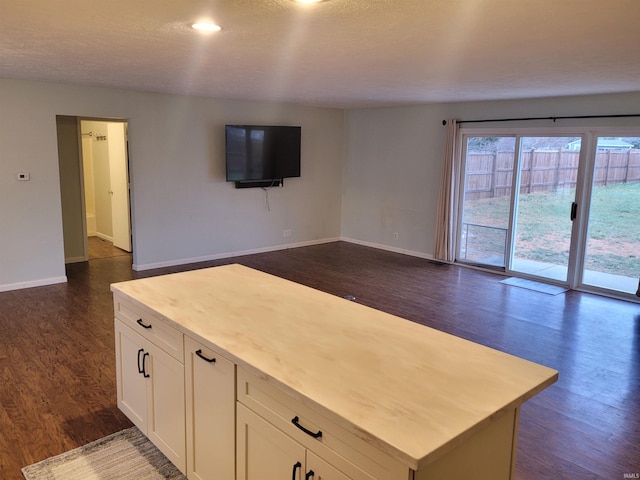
(548, 175)
(612, 258)
(487, 195)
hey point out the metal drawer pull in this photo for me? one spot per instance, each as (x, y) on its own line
(309, 475)
(200, 354)
(142, 324)
(296, 466)
(296, 421)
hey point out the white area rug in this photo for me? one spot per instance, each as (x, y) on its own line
(535, 286)
(126, 455)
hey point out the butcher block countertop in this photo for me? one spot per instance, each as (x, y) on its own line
(411, 391)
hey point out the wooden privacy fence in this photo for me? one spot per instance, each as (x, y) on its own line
(490, 174)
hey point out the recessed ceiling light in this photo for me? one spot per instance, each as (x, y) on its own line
(206, 27)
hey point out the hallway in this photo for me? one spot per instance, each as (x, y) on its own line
(99, 248)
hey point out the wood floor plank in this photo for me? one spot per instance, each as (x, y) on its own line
(57, 365)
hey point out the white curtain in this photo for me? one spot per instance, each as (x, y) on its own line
(445, 237)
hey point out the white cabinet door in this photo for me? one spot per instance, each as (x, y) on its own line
(210, 396)
(264, 452)
(150, 385)
(131, 384)
(318, 469)
(166, 405)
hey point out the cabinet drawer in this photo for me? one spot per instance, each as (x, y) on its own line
(337, 445)
(164, 336)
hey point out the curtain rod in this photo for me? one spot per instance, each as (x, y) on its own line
(444, 122)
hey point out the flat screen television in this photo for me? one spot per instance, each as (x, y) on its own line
(261, 155)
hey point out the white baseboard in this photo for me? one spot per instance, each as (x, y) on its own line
(185, 261)
(75, 260)
(32, 283)
(91, 226)
(103, 237)
(219, 256)
(388, 248)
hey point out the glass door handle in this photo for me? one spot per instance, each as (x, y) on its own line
(574, 211)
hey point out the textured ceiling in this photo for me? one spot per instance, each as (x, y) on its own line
(338, 53)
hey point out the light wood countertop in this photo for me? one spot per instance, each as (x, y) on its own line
(410, 390)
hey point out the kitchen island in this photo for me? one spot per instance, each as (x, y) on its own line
(235, 373)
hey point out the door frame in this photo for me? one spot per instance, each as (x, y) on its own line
(575, 226)
(80, 162)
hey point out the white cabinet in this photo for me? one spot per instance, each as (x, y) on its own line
(280, 437)
(132, 389)
(210, 383)
(376, 398)
(318, 469)
(150, 379)
(266, 453)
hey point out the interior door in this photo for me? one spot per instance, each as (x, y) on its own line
(119, 175)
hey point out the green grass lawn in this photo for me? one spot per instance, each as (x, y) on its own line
(543, 231)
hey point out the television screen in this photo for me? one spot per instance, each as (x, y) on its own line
(255, 153)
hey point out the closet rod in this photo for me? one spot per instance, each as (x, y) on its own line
(444, 122)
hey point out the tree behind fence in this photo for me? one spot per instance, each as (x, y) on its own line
(490, 174)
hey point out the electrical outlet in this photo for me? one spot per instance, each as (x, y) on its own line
(395, 235)
(286, 233)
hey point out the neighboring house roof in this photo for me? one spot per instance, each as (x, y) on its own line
(603, 144)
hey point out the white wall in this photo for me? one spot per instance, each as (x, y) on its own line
(394, 160)
(365, 173)
(183, 209)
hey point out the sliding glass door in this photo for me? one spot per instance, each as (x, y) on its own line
(561, 208)
(547, 176)
(612, 251)
(518, 195)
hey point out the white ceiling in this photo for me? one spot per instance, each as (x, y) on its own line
(338, 53)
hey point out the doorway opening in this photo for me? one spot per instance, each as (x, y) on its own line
(106, 186)
(94, 181)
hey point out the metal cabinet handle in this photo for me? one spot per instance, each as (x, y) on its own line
(144, 370)
(296, 466)
(142, 324)
(309, 475)
(141, 365)
(206, 359)
(296, 421)
(140, 368)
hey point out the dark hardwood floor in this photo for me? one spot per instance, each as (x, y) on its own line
(57, 366)
(99, 248)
